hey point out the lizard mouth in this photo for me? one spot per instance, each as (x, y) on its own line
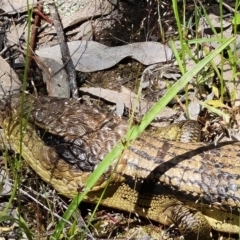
(74, 152)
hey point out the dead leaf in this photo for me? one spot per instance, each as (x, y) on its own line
(131, 100)
(216, 103)
(90, 56)
(194, 109)
(81, 12)
(158, 72)
(9, 80)
(15, 33)
(84, 31)
(87, 11)
(16, 6)
(57, 84)
(205, 27)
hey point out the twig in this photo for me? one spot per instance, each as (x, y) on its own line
(33, 38)
(227, 6)
(66, 58)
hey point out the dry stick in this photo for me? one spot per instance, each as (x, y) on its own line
(34, 34)
(66, 58)
(227, 6)
(33, 40)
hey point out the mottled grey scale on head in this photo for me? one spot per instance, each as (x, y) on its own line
(66, 155)
(79, 142)
(81, 156)
(77, 157)
(40, 116)
(76, 150)
(95, 148)
(102, 154)
(109, 145)
(59, 129)
(233, 187)
(221, 191)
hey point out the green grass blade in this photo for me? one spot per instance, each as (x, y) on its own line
(21, 223)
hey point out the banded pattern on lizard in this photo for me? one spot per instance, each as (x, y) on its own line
(194, 186)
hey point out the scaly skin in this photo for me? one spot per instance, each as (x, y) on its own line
(194, 186)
